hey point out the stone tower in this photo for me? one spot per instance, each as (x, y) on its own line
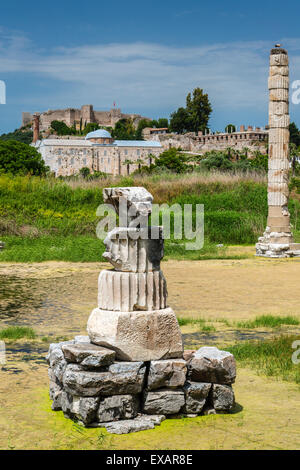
(277, 241)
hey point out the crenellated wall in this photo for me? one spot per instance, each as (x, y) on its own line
(253, 139)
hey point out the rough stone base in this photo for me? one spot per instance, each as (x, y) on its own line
(137, 336)
(277, 245)
(92, 388)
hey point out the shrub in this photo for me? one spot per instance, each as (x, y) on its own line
(18, 158)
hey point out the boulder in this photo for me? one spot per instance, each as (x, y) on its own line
(66, 403)
(56, 359)
(170, 373)
(79, 408)
(88, 354)
(209, 364)
(137, 336)
(188, 354)
(55, 395)
(222, 397)
(85, 408)
(121, 378)
(163, 402)
(196, 394)
(118, 407)
(129, 425)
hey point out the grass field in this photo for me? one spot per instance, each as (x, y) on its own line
(48, 219)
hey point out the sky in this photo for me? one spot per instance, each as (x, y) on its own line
(145, 56)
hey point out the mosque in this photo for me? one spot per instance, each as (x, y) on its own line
(98, 151)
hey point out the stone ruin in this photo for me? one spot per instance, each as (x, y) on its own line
(277, 240)
(131, 371)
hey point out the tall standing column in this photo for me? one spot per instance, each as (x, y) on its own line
(36, 128)
(277, 240)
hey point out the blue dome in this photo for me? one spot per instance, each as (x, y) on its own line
(99, 134)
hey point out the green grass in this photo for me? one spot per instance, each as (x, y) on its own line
(199, 322)
(17, 332)
(49, 219)
(86, 248)
(272, 357)
(76, 249)
(268, 321)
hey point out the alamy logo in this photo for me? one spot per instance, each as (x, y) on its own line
(187, 223)
(296, 93)
(2, 92)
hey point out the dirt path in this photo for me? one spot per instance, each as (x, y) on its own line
(212, 289)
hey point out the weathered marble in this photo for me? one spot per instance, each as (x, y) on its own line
(137, 199)
(128, 292)
(135, 250)
(140, 335)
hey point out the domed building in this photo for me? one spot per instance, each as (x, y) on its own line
(98, 151)
(101, 136)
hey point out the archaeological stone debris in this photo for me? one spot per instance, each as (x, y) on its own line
(277, 240)
(131, 371)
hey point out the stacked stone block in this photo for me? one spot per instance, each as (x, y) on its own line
(91, 387)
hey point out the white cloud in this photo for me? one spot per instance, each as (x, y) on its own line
(144, 75)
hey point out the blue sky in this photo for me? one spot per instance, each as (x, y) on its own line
(146, 56)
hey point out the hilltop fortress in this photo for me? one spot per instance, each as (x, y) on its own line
(85, 115)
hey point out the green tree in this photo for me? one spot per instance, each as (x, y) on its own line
(84, 171)
(230, 128)
(172, 160)
(141, 126)
(195, 116)
(61, 128)
(180, 121)
(199, 109)
(139, 162)
(260, 161)
(128, 162)
(19, 158)
(294, 134)
(294, 155)
(20, 135)
(124, 130)
(217, 160)
(90, 127)
(159, 123)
